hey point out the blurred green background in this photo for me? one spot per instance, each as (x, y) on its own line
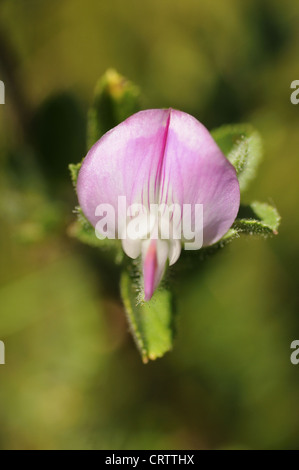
(73, 377)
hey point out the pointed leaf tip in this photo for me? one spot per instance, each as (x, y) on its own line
(259, 218)
(74, 171)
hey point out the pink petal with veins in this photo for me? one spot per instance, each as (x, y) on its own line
(160, 156)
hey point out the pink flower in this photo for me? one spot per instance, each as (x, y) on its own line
(163, 157)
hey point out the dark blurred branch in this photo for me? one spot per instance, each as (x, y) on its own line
(13, 86)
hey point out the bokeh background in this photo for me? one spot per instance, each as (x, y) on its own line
(73, 377)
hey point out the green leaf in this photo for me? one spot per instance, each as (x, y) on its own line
(268, 214)
(151, 322)
(242, 145)
(115, 100)
(74, 170)
(259, 218)
(83, 231)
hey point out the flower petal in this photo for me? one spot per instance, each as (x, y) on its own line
(196, 172)
(163, 156)
(126, 161)
(154, 257)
